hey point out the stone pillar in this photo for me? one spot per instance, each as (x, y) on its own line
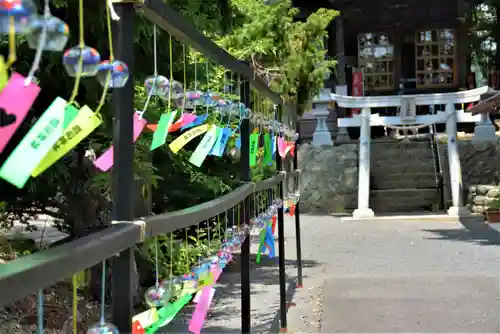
(458, 207)
(322, 135)
(484, 129)
(363, 210)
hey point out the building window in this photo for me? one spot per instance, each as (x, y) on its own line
(375, 57)
(435, 58)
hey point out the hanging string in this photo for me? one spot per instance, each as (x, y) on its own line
(103, 294)
(198, 238)
(218, 230)
(195, 79)
(111, 8)
(171, 65)
(12, 42)
(155, 75)
(81, 45)
(155, 55)
(75, 305)
(41, 44)
(102, 100)
(208, 83)
(187, 250)
(209, 242)
(184, 78)
(40, 326)
(207, 75)
(157, 271)
(171, 258)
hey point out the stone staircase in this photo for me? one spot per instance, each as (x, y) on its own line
(402, 177)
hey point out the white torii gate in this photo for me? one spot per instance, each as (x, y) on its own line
(408, 117)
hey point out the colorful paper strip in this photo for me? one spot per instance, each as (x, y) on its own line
(200, 153)
(220, 144)
(185, 138)
(37, 142)
(200, 312)
(254, 146)
(83, 125)
(15, 102)
(268, 150)
(160, 135)
(106, 160)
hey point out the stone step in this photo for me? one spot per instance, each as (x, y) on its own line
(398, 145)
(403, 181)
(402, 155)
(404, 200)
(407, 169)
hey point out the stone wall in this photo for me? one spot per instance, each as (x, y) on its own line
(330, 175)
(329, 178)
(480, 164)
(480, 196)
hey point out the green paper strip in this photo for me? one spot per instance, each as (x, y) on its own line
(254, 146)
(268, 149)
(205, 146)
(261, 244)
(161, 132)
(167, 313)
(37, 142)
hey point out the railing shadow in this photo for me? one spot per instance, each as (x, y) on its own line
(225, 310)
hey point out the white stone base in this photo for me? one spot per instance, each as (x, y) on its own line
(322, 139)
(458, 211)
(484, 131)
(363, 213)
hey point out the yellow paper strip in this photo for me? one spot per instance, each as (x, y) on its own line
(185, 138)
(83, 125)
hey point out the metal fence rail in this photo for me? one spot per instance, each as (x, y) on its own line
(40, 270)
(43, 269)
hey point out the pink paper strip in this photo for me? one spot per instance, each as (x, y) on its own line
(200, 312)
(15, 100)
(105, 161)
(188, 118)
(281, 147)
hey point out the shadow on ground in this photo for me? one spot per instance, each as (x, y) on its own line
(473, 231)
(224, 315)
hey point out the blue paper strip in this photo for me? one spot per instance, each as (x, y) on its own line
(220, 144)
(199, 121)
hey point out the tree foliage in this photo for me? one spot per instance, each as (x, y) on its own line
(289, 53)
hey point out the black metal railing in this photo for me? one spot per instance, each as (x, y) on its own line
(116, 243)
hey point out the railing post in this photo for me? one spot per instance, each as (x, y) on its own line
(363, 210)
(122, 174)
(245, 176)
(281, 242)
(297, 213)
(457, 208)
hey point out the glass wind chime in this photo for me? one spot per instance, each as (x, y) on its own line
(64, 124)
(48, 33)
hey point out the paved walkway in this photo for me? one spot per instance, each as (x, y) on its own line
(383, 276)
(398, 276)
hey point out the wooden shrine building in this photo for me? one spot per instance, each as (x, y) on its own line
(398, 46)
